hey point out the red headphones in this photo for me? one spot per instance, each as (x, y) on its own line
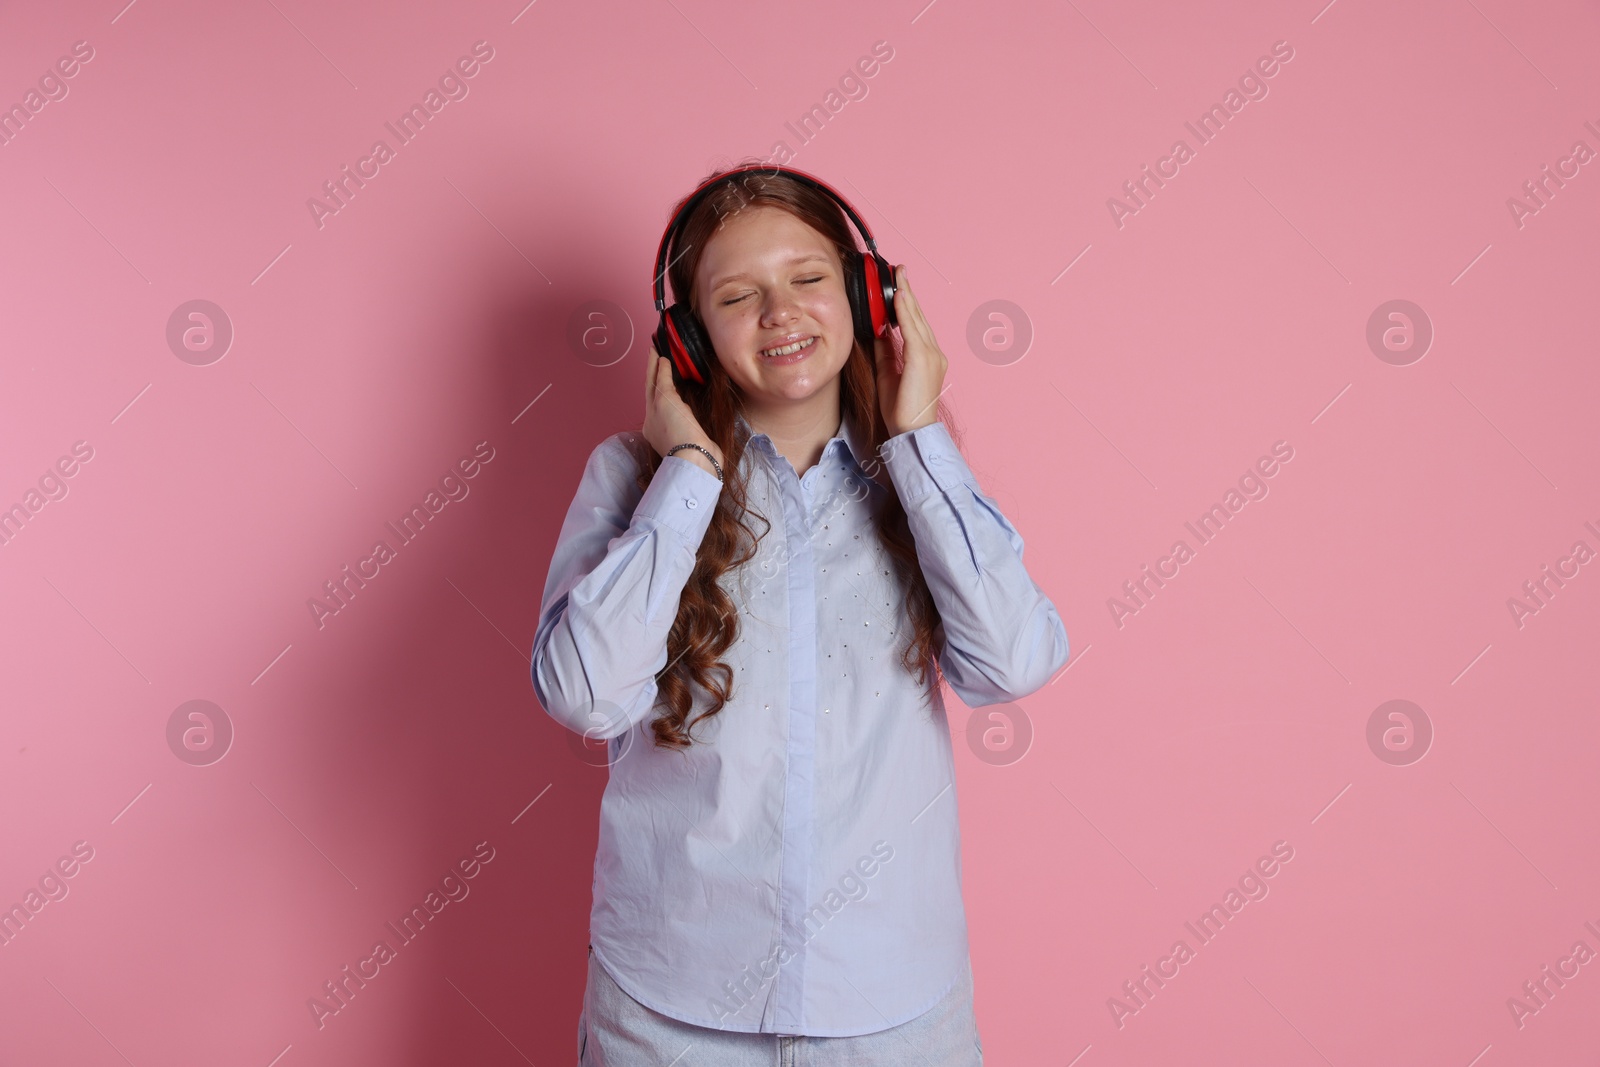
(868, 282)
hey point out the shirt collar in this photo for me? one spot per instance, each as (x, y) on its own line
(857, 448)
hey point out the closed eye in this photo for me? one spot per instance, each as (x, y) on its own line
(803, 281)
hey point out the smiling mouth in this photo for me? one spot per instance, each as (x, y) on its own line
(789, 350)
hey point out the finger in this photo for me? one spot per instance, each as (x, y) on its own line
(650, 374)
(661, 381)
(913, 311)
(904, 311)
(918, 321)
(669, 392)
(666, 384)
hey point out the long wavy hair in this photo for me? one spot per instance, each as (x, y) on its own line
(707, 623)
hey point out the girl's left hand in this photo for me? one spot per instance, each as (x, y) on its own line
(909, 397)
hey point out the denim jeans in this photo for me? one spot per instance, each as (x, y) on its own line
(614, 1030)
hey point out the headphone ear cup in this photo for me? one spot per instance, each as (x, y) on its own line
(855, 289)
(682, 339)
(880, 290)
(869, 283)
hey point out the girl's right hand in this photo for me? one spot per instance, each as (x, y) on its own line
(668, 420)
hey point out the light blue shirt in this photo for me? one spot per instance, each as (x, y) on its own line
(797, 870)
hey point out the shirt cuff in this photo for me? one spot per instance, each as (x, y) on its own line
(923, 460)
(682, 495)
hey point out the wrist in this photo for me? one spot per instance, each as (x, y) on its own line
(895, 431)
(699, 459)
(692, 451)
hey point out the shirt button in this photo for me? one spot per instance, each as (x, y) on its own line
(691, 502)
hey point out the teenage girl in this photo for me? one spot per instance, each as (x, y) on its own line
(754, 603)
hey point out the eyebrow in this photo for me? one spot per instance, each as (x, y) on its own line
(804, 258)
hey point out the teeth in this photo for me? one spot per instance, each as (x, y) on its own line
(787, 350)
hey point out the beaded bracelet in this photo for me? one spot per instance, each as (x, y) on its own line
(709, 456)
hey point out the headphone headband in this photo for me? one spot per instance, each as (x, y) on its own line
(658, 284)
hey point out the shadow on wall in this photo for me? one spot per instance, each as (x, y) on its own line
(426, 708)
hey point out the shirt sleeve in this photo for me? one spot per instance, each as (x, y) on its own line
(618, 571)
(1003, 636)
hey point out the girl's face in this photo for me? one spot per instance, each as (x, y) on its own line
(766, 280)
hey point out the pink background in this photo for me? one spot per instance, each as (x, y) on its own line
(432, 312)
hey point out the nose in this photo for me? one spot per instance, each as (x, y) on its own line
(779, 310)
